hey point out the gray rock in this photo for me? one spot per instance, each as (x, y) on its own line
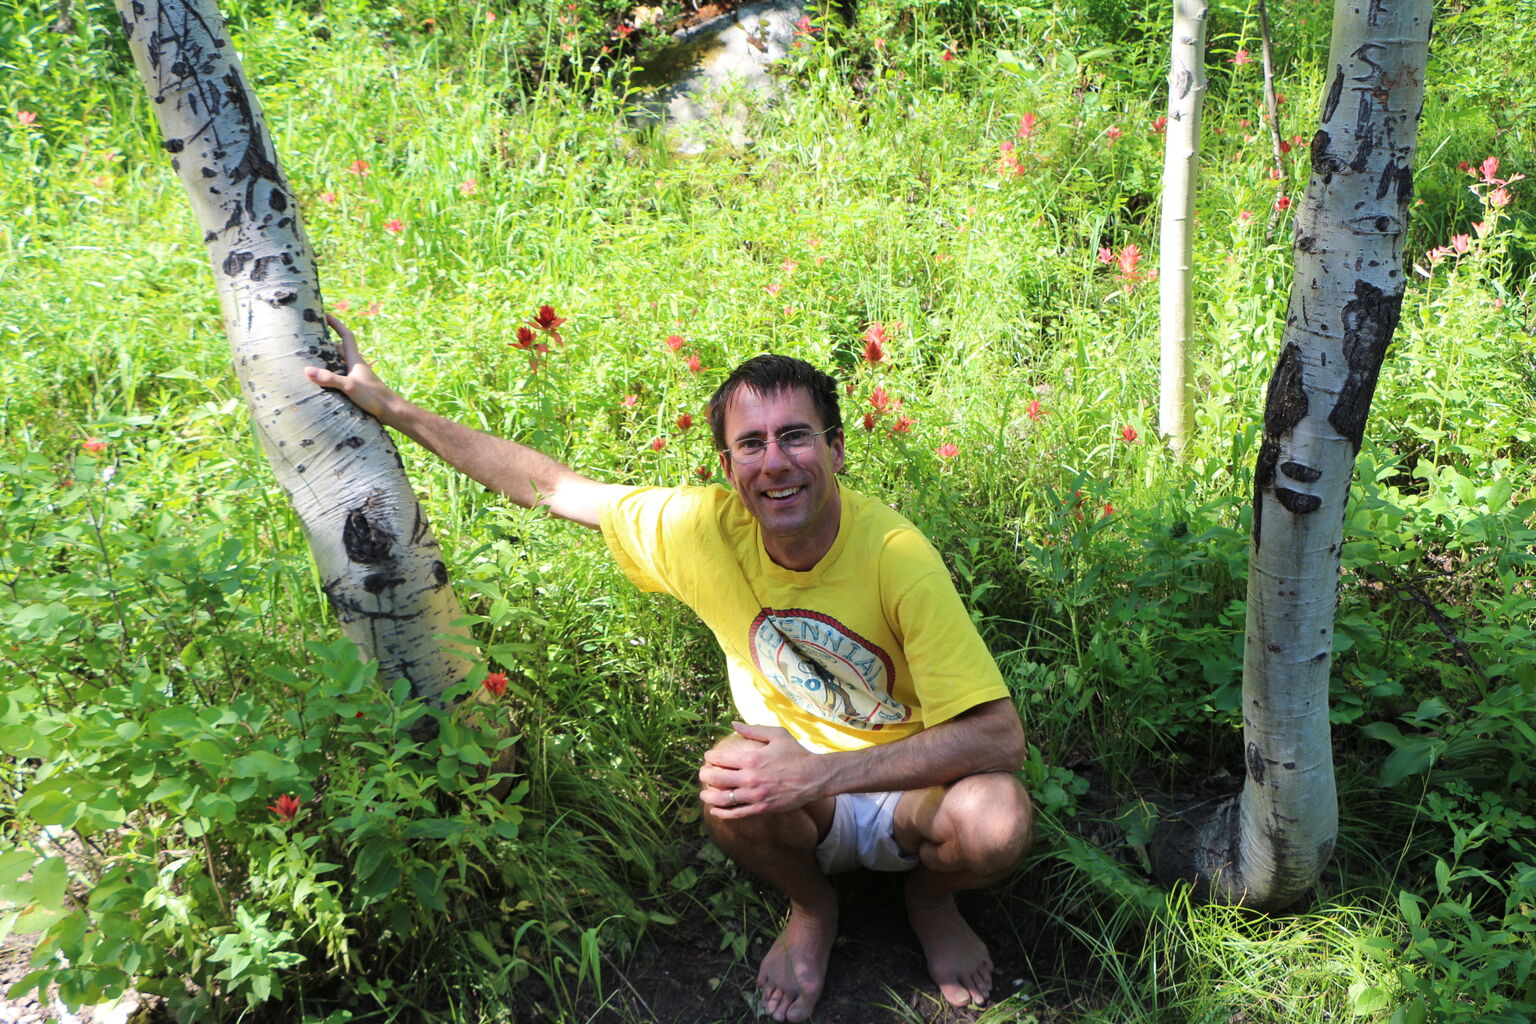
(707, 82)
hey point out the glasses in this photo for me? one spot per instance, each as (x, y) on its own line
(791, 442)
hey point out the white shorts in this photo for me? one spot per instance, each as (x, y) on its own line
(863, 836)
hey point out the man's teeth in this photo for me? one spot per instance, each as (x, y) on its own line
(782, 494)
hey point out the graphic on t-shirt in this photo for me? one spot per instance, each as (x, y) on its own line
(825, 668)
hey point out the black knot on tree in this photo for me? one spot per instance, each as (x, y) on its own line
(1284, 407)
(1368, 321)
(365, 537)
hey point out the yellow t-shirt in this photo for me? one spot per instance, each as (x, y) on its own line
(869, 646)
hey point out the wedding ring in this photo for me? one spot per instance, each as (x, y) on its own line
(733, 799)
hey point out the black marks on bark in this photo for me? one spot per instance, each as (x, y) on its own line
(365, 535)
(263, 264)
(1325, 162)
(209, 236)
(1392, 177)
(1335, 91)
(1404, 184)
(308, 442)
(378, 582)
(1368, 320)
(1296, 471)
(254, 165)
(1285, 406)
(352, 442)
(209, 172)
(278, 200)
(1296, 501)
(310, 316)
(1365, 142)
(280, 299)
(440, 574)
(1255, 764)
(419, 527)
(1289, 765)
(234, 263)
(174, 145)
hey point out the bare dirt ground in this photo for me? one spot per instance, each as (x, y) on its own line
(877, 974)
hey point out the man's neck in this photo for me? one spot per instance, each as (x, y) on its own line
(801, 554)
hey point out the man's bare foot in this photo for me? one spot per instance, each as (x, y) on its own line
(957, 958)
(795, 968)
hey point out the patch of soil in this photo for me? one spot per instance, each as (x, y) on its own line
(877, 974)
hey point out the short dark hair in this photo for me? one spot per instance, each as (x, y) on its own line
(771, 375)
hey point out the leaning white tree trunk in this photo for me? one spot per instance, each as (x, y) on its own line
(379, 564)
(1181, 163)
(1266, 848)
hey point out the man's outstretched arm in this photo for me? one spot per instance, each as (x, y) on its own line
(526, 476)
(769, 772)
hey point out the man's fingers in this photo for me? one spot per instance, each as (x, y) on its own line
(349, 350)
(761, 733)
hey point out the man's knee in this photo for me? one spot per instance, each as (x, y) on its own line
(991, 820)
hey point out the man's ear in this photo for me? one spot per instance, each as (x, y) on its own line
(725, 467)
(838, 452)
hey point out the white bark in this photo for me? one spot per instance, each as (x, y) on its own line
(1273, 844)
(1181, 164)
(379, 564)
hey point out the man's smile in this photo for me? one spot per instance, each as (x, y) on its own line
(783, 493)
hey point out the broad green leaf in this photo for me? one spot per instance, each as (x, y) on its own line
(48, 881)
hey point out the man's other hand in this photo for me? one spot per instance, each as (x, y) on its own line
(359, 383)
(762, 769)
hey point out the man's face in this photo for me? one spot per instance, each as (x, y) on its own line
(793, 497)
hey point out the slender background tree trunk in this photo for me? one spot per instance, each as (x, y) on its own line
(1181, 164)
(379, 564)
(1269, 846)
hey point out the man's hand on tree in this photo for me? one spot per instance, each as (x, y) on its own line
(359, 383)
(760, 770)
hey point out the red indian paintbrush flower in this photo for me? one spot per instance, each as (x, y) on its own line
(1128, 434)
(685, 421)
(1033, 410)
(286, 808)
(879, 399)
(547, 322)
(495, 683)
(947, 450)
(694, 364)
(94, 445)
(658, 443)
(524, 338)
(675, 342)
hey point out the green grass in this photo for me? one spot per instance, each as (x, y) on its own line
(871, 196)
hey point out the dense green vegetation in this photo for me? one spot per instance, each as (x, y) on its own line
(173, 675)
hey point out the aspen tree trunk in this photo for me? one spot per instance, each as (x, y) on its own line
(379, 564)
(1181, 163)
(1269, 846)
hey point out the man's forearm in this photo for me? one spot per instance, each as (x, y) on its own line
(523, 474)
(987, 738)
